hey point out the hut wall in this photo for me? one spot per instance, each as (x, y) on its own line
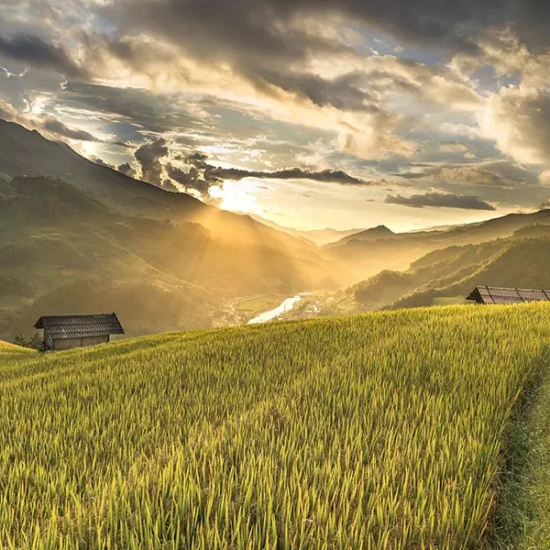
(48, 340)
(95, 340)
(71, 343)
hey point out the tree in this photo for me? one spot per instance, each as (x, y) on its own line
(34, 342)
(21, 340)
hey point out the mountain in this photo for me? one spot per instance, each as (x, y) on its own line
(366, 256)
(373, 234)
(320, 237)
(448, 275)
(78, 237)
(28, 153)
(520, 263)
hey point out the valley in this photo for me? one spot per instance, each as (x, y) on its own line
(76, 236)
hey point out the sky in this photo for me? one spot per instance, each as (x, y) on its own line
(310, 113)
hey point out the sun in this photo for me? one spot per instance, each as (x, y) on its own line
(234, 196)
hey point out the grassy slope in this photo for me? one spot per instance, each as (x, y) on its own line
(10, 352)
(446, 276)
(523, 262)
(380, 431)
(523, 513)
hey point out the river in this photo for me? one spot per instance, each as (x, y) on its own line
(279, 311)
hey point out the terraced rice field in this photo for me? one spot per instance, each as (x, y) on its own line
(380, 431)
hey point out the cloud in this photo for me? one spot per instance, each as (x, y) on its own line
(200, 175)
(518, 119)
(192, 179)
(32, 50)
(501, 174)
(376, 143)
(453, 148)
(6, 111)
(307, 65)
(149, 156)
(440, 200)
(51, 126)
(101, 162)
(127, 170)
(57, 127)
(329, 176)
(474, 175)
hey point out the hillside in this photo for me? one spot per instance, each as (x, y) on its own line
(10, 351)
(368, 256)
(27, 153)
(523, 263)
(367, 235)
(381, 431)
(447, 275)
(78, 237)
(62, 251)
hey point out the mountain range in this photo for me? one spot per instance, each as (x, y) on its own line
(447, 275)
(368, 256)
(79, 237)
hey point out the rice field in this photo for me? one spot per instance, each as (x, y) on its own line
(10, 351)
(383, 431)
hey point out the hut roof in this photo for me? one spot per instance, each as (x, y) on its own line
(80, 326)
(499, 295)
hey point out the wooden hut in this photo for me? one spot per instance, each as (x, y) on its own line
(499, 295)
(76, 331)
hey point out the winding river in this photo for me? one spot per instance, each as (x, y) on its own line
(279, 311)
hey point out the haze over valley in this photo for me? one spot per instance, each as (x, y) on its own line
(77, 236)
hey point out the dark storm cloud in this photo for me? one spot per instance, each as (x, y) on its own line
(265, 44)
(440, 200)
(329, 176)
(192, 179)
(137, 106)
(57, 127)
(200, 175)
(199, 166)
(32, 50)
(149, 156)
(344, 92)
(271, 42)
(250, 30)
(99, 161)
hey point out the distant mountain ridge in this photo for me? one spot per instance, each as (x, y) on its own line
(447, 275)
(372, 234)
(320, 237)
(79, 237)
(397, 251)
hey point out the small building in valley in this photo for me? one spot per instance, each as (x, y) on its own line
(63, 332)
(499, 295)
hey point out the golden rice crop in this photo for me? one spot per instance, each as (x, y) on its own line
(378, 431)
